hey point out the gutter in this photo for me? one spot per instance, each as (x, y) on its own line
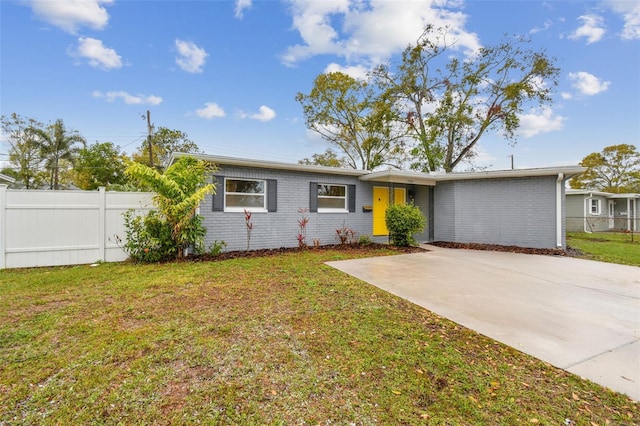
(559, 183)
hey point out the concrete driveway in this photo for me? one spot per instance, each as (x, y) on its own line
(579, 315)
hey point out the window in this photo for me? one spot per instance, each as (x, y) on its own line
(594, 207)
(332, 198)
(244, 194)
(238, 194)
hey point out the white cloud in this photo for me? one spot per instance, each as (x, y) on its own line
(588, 84)
(630, 11)
(370, 31)
(96, 53)
(241, 5)
(127, 98)
(265, 114)
(566, 95)
(592, 29)
(210, 110)
(358, 72)
(547, 24)
(539, 121)
(191, 58)
(70, 15)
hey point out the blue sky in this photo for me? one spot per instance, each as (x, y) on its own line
(227, 73)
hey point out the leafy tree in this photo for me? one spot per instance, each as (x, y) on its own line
(24, 150)
(165, 142)
(616, 169)
(449, 109)
(329, 158)
(100, 164)
(179, 191)
(352, 115)
(58, 146)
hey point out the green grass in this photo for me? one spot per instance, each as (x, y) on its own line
(607, 246)
(273, 340)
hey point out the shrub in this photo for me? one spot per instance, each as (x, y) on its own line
(402, 222)
(365, 240)
(148, 238)
(217, 247)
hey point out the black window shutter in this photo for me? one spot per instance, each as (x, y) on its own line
(218, 197)
(272, 195)
(313, 197)
(352, 198)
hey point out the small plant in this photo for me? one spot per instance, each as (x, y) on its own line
(217, 247)
(365, 240)
(346, 235)
(302, 227)
(147, 238)
(402, 222)
(249, 224)
(316, 242)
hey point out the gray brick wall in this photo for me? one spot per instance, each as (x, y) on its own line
(421, 200)
(280, 228)
(519, 211)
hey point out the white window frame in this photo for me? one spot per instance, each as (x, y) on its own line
(242, 209)
(333, 197)
(597, 203)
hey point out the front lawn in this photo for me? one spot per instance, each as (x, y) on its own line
(611, 247)
(271, 340)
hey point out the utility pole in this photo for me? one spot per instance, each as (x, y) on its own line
(511, 156)
(149, 135)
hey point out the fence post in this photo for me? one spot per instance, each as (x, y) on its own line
(102, 215)
(3, 226)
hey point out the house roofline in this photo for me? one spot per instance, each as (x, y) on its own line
(247, 162)
(567, 171)
(393, 176)
(400, 176)
(602, 194)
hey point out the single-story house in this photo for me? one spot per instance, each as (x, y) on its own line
(523, 207)
(594, 211)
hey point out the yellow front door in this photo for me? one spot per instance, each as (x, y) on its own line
(399, 196)
(380, 203)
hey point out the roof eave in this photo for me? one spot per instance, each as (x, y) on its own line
(567, 172)
(398, 176)
(247, 162)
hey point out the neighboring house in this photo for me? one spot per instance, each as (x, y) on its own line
(6, 180)
(512, 207)
(594, 211)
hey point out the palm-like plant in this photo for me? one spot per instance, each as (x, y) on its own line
(179, 192)
(58, 144)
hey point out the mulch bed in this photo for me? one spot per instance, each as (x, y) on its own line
(511, 249)
(359, 248)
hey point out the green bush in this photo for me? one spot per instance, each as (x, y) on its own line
(402, 222)
(365, 240)
(148, 238)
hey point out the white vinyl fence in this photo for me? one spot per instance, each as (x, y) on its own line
(46, 228)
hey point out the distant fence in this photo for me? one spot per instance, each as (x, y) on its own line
(602, 224)
(47, 228)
